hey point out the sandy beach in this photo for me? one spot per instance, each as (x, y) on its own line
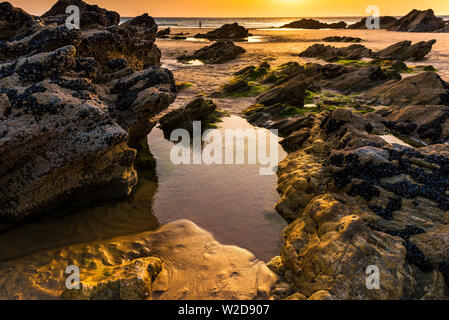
(277, 46)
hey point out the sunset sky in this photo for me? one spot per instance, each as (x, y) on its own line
(248, 8)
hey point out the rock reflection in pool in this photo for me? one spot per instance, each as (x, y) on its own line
(234, 202)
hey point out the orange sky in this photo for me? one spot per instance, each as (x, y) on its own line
(248, 8)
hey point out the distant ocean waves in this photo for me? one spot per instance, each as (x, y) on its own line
(246, 22)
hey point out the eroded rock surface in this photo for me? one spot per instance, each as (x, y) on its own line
(418, 21)
(71, 105)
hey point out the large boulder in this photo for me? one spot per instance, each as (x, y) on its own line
(205, 111)
(355, 201)
(219, 52)
(385, 22)
(314, 24)
(404, 50)
(91, 16)
(142, 27)
(73, 105)
(418, 21)
(330, 53)
(426, 88)
(13, 21)
(232, 31)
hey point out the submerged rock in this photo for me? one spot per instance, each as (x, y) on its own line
(418, 21)
(91, 16)
(314, 24)
(197, 110)
(219, 52)
(226, 32)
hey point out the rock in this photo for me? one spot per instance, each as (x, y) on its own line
(385, 23)
(236, 85)
(283, 73)
(197, 110)
(163, 33)
(418, 21)
(314, 24)
(67, 129)
(14, 21)
(118, 268)
(404, 50)
(341, 39)
(353, 201)
(358, 80)
(219, 52)
(321, 295)
(330, 53)
(91, 16)
(226, 32)
(142, 27)
(426, 88)
(291, 92)
(426, 123)
(131, 281)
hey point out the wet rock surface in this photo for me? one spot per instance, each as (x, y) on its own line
(72, 103)
(219, 52)
(330, 53)
(406, 51)
(232, 31)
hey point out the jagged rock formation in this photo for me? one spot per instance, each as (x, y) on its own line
(385, 23)
(314, 24)
(330, 53)
(418, 21)
(71, 105)
(401, 51)
(404, 50)
(14, 21)
(141, 27)
(354, 200)
(205, 111)
(426, 88)
(91, 16)
(219, 52)
(232, 31)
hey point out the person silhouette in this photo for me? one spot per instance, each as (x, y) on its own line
(200, 24)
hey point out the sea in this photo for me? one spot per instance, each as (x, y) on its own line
(257, 23)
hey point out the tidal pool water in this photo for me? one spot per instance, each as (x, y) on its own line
(233, 202)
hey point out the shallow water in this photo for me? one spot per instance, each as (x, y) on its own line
(233, 202)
